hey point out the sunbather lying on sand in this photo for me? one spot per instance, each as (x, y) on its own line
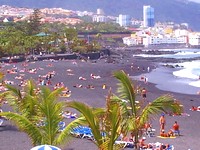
(195, 108)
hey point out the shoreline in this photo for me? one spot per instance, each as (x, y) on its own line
(166, 74)
(189, 125)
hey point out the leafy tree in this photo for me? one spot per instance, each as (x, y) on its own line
(32, 108)
(134, 114)
(63, 47)
(34, 23)
(12, 41)
(86, 18)
(99, 27)
(70, 34)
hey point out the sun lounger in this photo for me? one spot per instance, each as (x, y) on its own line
(1, 122)
(150, 132)
(88, 136)
(61, 125)
(82, 132)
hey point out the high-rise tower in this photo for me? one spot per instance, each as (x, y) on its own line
(148, 16)
(124, 20)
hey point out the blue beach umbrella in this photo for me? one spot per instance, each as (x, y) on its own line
(45, 147)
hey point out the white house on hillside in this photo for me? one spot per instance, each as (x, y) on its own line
(99, 18)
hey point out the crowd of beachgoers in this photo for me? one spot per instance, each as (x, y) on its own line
(89, 82)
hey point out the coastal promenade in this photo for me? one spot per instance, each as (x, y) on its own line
(69, 56)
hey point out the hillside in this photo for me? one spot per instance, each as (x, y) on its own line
(165, 10)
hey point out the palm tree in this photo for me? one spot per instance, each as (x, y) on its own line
(104, 123)
(136, 114)
(32, 109)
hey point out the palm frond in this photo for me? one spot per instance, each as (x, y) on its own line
(51, 109)
(3, 96)
(125, 89)
(115, 120)
(64, 136)
(28, 106)
(91, 118)
(165, 103)
(25, 125)
(15, 91)
(30, 87)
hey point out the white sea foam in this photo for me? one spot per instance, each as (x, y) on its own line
(175, 50)
(188, 70)
(185, 73)
(196, 83)
(179, 55)
(191, 70)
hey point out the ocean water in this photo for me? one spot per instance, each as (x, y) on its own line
(185, 79)
(180, 54)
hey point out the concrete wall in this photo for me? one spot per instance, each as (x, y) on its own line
(91, 56)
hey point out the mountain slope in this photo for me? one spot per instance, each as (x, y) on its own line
(165, 10)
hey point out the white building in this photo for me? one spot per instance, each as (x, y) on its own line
(181, 32)
(99, 18)
(194, 39)
(100, 11)
(160, 39)
(141, 33)
(84, 13)
(130, 41)
(124, 20)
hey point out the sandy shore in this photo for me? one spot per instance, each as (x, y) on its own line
(12, 139)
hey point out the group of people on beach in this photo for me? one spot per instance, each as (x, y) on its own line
(172, 132)
(175, 128)
(153, 146)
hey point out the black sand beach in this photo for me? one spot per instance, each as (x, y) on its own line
(12, 139)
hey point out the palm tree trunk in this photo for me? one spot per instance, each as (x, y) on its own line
(136, 145)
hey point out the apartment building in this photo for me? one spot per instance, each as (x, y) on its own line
(148, 16)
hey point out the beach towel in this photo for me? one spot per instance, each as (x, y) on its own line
(171, 137)
(182, 114)
(65, 95)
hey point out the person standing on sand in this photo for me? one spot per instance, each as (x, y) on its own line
(162, 122)
(145, 80)
(148, 69)
(144, 93)
(176, 128)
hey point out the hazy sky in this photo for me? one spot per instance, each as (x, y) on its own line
(195, 1)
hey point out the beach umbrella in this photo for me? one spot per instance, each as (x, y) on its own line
(45, 147)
